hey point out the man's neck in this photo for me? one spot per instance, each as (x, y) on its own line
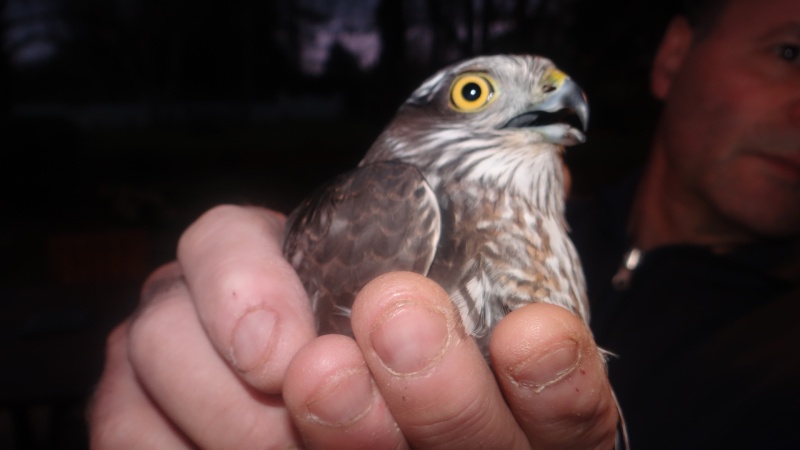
(665, 212)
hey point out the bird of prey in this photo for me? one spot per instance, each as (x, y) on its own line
(466, 186)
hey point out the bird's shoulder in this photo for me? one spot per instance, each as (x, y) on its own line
(389, 191)
(378, 218)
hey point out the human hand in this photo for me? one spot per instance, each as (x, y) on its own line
(202, 362)
(412, 378)
(171, 383)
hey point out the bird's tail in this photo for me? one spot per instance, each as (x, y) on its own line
(622, 442)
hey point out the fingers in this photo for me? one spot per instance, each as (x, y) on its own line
(191, 384)
(436, 385)
(121, 414)
(169, 365)
(249, 299)
(431, 375)
(554, 379)
(334, 400)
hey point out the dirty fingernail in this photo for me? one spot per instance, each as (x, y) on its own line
(344, 399)
(548, 367)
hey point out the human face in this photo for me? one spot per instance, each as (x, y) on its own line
(730, 132)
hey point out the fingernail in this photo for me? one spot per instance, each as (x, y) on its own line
(548, 367)
(410, 337)
(252, 338)
(344, 399)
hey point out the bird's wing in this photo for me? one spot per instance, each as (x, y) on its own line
(378, 218)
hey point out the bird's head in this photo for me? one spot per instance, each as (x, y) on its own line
(486, 104)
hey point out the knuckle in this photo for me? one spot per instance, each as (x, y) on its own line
(112, 431)
(161, 282)
(117, 340)
(151, 328)
(112, 426)
(467, 425)
(208, 223)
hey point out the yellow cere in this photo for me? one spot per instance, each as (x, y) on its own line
(471, 92)
(555, 78)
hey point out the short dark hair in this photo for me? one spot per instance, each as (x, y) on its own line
(702, 14)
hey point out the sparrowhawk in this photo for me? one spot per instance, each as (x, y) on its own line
(466, 186)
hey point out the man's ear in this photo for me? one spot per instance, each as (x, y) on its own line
(670, 55)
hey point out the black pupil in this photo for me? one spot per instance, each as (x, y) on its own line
(471, 92)
(790, 52)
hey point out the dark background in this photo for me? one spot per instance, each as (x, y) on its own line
(121, 121)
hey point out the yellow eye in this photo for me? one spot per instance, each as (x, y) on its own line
(471, 92)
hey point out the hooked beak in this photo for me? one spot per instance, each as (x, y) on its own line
(563, 116)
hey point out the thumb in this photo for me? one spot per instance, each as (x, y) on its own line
(554, 379)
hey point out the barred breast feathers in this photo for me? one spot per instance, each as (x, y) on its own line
(517, 160)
